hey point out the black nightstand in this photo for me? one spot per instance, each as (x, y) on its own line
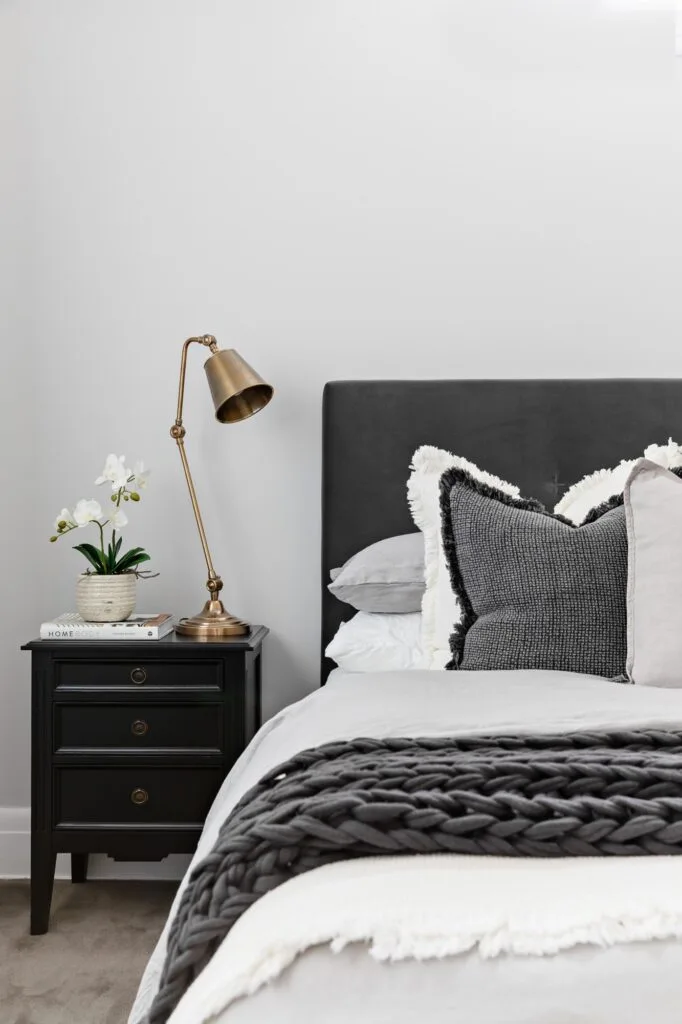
(130, 744)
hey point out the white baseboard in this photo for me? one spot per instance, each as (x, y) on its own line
(15, 846)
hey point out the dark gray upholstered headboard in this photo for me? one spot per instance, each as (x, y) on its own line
(540, 434)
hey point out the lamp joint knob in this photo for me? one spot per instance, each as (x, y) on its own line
(177, 431)
(214, 584)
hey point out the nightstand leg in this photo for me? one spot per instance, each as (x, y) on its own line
(42, 879)
(79, 867)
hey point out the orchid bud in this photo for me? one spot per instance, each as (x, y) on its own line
(53, 539)
(134, 496)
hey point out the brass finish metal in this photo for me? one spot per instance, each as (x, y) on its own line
(138, 676)
(139, 797)
(238, 392)
(139, 727)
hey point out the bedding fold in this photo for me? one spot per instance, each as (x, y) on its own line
(426, 704)
(581, 794)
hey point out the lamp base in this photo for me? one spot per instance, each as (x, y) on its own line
(212, 623)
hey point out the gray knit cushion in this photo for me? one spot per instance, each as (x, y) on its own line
(537, 592)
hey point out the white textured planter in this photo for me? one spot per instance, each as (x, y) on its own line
(106, 598)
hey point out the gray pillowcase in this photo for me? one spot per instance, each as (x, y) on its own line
(537, 592)
(653, 510)
(385, 577)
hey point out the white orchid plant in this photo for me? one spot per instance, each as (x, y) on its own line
(126, 486)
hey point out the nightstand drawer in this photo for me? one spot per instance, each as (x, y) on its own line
(138, 727)
(139, 675)
(134, 796)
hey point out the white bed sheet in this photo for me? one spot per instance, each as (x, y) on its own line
(426, 703)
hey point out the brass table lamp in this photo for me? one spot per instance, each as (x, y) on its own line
(238, 392)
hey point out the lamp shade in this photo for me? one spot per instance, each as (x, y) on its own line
(238, 392)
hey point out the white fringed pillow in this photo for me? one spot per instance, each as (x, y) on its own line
(440, 607)
(604, 484)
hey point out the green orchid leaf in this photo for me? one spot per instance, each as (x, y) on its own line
(90, 551)
(129, 561)
(131, 551)
(131, 558)
(130, 555)
(93, 555)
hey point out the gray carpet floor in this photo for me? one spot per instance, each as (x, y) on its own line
(87, 968)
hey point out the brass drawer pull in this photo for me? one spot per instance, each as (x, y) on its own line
(139, 797)
(138, 676)
(139, 727)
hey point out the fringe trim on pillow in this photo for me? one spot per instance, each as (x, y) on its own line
(452, 478)
(587, 484)
(616, 500)
(428, 464)
(667, 455)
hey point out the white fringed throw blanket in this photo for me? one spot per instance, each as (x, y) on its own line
(428, 907)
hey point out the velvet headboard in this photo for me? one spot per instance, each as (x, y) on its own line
(540, 434)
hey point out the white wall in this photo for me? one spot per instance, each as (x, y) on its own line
(338, 188)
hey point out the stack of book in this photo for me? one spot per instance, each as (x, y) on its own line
(70, 626)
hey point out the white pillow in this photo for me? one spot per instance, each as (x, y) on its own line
(598, 487)
(593, 490)
(440, 607)
(373, 642)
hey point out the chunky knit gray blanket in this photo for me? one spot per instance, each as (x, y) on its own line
(582, 794)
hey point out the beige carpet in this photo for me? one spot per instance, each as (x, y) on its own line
(87, 968)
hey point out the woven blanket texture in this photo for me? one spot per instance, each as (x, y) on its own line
(581, 794)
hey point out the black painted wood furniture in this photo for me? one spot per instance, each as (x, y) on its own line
(130, 744)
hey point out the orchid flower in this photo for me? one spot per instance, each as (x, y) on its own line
(64, 521)
(86, 511)
(140, 476)
(117, 518)
(114, 471)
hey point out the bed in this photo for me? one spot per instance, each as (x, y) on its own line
(446, 936)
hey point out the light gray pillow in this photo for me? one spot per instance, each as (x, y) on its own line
(385, 577)
(653, 516)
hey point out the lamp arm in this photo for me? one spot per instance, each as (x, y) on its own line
(204, 339)
(178, 432)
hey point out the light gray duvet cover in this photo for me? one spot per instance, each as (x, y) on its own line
(441, 704)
